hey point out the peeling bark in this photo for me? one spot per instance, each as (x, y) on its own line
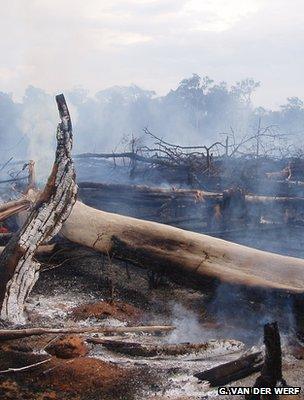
(18, 268)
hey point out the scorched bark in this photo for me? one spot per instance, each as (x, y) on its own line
(18, 268)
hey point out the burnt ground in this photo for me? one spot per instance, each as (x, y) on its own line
(89, 290)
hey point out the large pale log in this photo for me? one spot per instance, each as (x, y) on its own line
(18, 268)
(178, 252)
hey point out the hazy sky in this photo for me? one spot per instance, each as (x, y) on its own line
(59, 44)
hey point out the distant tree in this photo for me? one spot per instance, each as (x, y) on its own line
(293, 103)
(244, 89)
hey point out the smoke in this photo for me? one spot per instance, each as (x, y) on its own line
(196, 112)
(237, 313)
(243, 312)
(188, 327)
(38, 123)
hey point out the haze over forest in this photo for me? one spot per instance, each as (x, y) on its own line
(197, 111)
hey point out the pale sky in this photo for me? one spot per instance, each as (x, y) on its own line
(59, 44)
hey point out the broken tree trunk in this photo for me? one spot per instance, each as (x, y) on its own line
(18, 268)
(233, 370)
(172, 251)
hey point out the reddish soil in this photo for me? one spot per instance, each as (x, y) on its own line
(68, 347)
(82, 378)
(10, 390)
(100, 310)
(86, 376)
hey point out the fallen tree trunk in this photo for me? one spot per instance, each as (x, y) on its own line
(18, 268)
(14, 203)
(174, 251)
(12, 211)
(208, 210)
(13, 207)
(153, 350)
(109, 190)
(232, 371)
(10, 334)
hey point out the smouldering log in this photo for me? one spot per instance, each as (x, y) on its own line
(153, 350)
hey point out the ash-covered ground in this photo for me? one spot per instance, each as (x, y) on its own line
(79, 294)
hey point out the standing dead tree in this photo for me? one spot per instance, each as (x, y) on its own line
(18, 268)
(265, 141)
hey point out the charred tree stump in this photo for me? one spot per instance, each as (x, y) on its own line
(18, 268)
(271, 374)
